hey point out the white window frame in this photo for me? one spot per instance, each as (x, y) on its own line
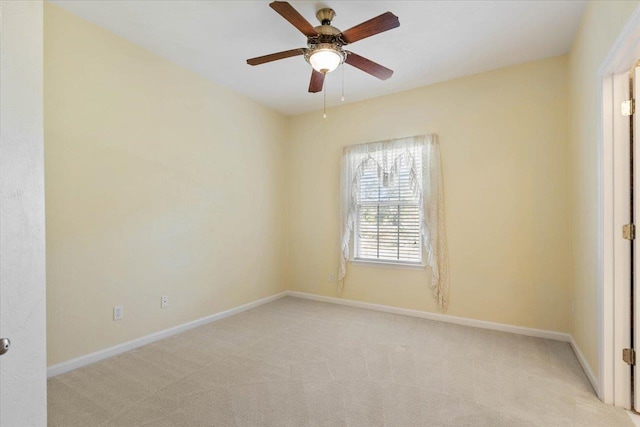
(356, 259)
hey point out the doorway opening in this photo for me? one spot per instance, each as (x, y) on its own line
(618, 158)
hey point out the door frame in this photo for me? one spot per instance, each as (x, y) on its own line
(614, 325)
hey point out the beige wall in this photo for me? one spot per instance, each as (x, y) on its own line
(601, 24)
(161, 182)
(504, 151)
(157, 182)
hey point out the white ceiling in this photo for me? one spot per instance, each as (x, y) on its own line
(436, 41)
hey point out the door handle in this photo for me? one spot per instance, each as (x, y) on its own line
(4, 345)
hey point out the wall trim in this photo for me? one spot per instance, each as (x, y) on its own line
(585, 365)
(520, 330)
(99, 355)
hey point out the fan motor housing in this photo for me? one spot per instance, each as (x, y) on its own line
(327, 30)
(327, 33)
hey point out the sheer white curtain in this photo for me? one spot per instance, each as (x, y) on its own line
(386, 156)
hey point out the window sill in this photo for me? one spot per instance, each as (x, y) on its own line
(387, 264)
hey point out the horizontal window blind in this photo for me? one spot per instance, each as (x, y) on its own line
(388, 211)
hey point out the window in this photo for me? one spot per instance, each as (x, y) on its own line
(388, 223)
(392, 208)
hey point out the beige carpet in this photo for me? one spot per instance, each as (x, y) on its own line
(294, 362)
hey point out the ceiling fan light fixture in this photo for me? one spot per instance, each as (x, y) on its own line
(325, 60)
(324, 51)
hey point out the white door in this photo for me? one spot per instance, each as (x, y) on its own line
(23, 397)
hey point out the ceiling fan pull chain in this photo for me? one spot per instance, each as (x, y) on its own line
(342, 99)
(324, 96)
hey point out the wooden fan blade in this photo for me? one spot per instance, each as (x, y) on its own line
(377, 25)
(317, 81)
(290, 14)
(368, 66)
(275, 56)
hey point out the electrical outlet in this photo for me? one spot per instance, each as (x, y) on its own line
(164, 301)
(332, 277)
(118, 312)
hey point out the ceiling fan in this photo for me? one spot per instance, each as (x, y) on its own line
(325, 43)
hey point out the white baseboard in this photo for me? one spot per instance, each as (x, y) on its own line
(635, 418)
(88, 359)
(585, 366)
(521, 330)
